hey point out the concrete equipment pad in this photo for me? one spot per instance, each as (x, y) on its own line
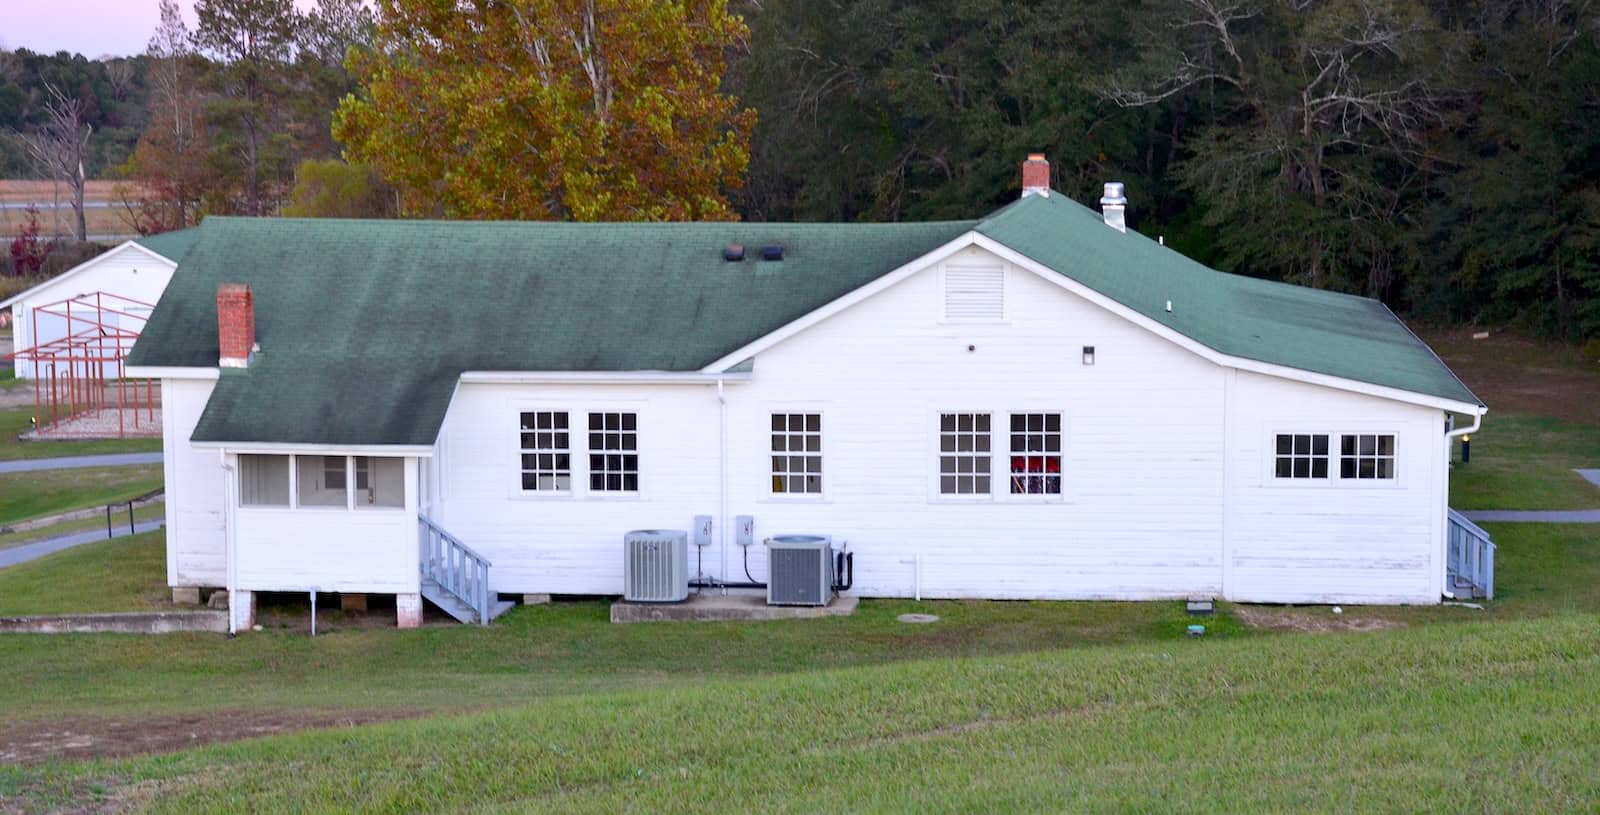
(713, 606)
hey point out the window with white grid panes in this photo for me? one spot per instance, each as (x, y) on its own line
(546, 451)
(1366, 456)
(613, 452)
(1301, 456)
(1035, 454)
(797, 453)
(964, 453)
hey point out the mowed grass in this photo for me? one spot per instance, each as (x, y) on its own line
(571, 648)
(1527, 462)
(16, 421)
(533, 652)
(119, 521)
(46, 492)
(1505, 716)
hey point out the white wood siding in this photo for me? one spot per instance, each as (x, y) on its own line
(1140, 515)
(128, 271)
(1333, 541)
(366, 549)
(570, 544)
(195, 532)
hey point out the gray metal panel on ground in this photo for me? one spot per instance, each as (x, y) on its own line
(656, 566)
(799, 570)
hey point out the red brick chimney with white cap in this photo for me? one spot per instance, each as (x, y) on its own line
(236, 325)
(1035, 176)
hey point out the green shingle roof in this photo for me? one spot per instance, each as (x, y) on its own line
(365, 326)
(171, 245)
(1310, 329)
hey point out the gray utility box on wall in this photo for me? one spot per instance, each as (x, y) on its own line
(799, 570)
(656, 569)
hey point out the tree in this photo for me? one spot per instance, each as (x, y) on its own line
(252, 40)
(550, 109)
(168, 163)
(60, 145)
(1321, 113)
(27, 252)
(334, 189)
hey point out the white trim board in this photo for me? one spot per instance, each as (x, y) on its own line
(74, 271)
(973, 238)
(172, 372)
(289, 448)
(602, 378)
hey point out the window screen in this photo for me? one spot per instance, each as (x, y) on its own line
(614, 452)
(546, 451)
(797, 453)
(263, 481)
(1035, 454)
(1366, 456)
(964, 454)
(1301, 455)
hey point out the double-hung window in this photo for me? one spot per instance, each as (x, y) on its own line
(1301, 456)
(613, 452)
(1035, 454)
(546, 451)
(1366, 456)
(964, 454)
(797, 453)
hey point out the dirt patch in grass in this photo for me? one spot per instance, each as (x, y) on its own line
(1309, 619)
(1515, 374)
(90, 737)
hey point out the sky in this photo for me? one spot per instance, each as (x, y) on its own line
(89, 27)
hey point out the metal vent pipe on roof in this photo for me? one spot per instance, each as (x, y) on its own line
(1114, 205)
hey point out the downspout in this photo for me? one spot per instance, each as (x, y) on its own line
(722, 480)
(231, 572)
(1444, 489)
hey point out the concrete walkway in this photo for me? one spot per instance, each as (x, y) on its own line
(74, 462)
(1592, 476)
(38, 549)
(1571, 516)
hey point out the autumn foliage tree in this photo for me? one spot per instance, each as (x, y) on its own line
(551, 109)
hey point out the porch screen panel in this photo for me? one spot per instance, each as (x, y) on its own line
(263, 481)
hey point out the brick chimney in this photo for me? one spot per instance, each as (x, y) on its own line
(236, 325)
(1035, 176)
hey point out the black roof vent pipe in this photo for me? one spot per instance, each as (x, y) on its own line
(734, 253)
(773, 251)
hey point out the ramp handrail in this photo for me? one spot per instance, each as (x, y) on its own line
(1471, 554)
(453, 565)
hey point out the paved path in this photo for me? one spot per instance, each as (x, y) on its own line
(1572, 516)
(37, 549)
(1593, 476)
(72, 462)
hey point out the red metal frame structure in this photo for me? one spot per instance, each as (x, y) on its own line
(70, 372)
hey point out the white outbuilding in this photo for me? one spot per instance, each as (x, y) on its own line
(117, 288)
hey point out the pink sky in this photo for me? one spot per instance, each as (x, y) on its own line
(88, 27)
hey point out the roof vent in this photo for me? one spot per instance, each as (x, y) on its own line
(772, 251)
(734, 253)
(1114, 205)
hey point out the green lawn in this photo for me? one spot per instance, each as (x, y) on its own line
(119, 520)
(15, 421)
(1526, 462)
(120, 574)
(30, 495)
(1505, 716)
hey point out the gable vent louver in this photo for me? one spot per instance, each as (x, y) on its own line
(974, 293)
